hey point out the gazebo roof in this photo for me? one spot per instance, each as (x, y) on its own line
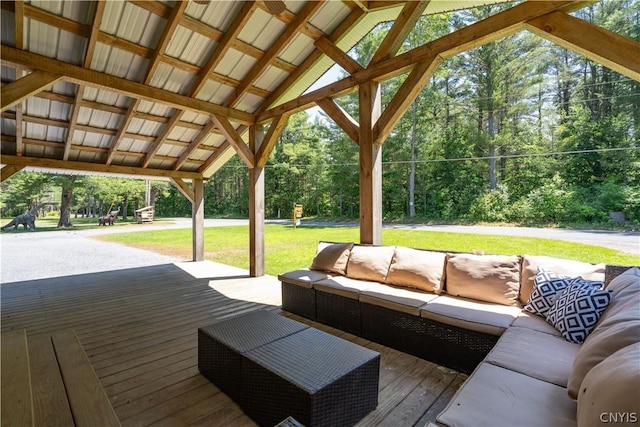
(166, 89)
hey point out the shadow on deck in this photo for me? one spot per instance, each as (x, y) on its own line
(139, 329)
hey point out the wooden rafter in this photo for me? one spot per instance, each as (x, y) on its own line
(399, 31)
(172, 23)
(21, 89)
(270, 139)
(73, 73)
(224, 45)
(19, 36)
(184, 189)
(493, 28)
(343, 119)
(233, 137)
(88, 57)
(96, 167)
(352, 20)
(291, 31)
(194, 145)
(614, 51)
(338, 55)
(403, 98)
(8, 170)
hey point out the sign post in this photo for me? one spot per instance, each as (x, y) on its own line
(297, 214)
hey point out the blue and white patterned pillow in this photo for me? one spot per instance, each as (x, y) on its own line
(577, 309)
(547, 287)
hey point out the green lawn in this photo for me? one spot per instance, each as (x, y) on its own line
(288, 248)
(51, 224)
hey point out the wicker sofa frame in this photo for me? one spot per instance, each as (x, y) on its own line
(451, 346)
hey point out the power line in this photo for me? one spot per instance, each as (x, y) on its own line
(460, 159)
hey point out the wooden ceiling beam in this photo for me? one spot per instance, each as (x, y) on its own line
(194, 145)
(269, 142)
(343, 119)
(289, 33)
(224, 147)
(73, 73)
(402, 26)
(154, 62)
(88, 57)
(8, 170)
(25, 161)
(243, 16)
(403, 98)
(234, 138)
(338, 56)
(19, 43)
(17, 91)
(619, 53)
(493, 28)
(352, 20)
(184, 189)
(159, 140)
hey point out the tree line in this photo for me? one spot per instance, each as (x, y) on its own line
(518, 130)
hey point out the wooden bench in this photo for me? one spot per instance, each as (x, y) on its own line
(49, 381)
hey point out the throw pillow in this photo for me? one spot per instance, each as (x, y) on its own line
(332, 257)
(547, 287)
(577, 309)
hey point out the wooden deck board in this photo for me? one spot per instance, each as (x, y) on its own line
(138, 328)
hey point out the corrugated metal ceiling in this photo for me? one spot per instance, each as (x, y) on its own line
(128, 39)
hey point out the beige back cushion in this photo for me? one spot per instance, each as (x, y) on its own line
(418, 269)
(600, 344)
(332, 257)
(490, 278)
(610, 389)
(562, 267)
(625, 291)
(369, 262)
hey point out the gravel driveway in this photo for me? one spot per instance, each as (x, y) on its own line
(28, 256)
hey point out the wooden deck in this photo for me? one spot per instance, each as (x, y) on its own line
(139, 329)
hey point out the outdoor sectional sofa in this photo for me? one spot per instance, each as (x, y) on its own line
(465, 311)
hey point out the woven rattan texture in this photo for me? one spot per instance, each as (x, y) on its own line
(457, 348)
(338, 311)
(299, 300)
(252, 330)
(220, 346)
(613, 271)
(319, 379)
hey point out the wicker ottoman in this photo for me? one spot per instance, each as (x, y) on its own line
(315, 377)
(221, 345)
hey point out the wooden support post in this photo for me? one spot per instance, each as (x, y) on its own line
(197, 215)
(256, 207)
(370, 165)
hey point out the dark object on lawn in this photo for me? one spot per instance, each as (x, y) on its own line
(108, 219)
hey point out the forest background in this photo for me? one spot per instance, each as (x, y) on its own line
(518, 131)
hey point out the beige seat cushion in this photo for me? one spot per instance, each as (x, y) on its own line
(535, 322)
(605, 340)
(303, 277)
(498, 397)
(475, 315)
(332, 257)
(344, 286)
(418, 269)
(563, 267)
(405, 300)
(369, 262)
(612, 388)
(535, 354)
(490, 278)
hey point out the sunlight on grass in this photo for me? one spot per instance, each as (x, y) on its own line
(288, 249)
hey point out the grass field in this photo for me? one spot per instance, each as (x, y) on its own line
(288, 248)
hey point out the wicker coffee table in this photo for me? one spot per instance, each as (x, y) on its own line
(279, 368)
